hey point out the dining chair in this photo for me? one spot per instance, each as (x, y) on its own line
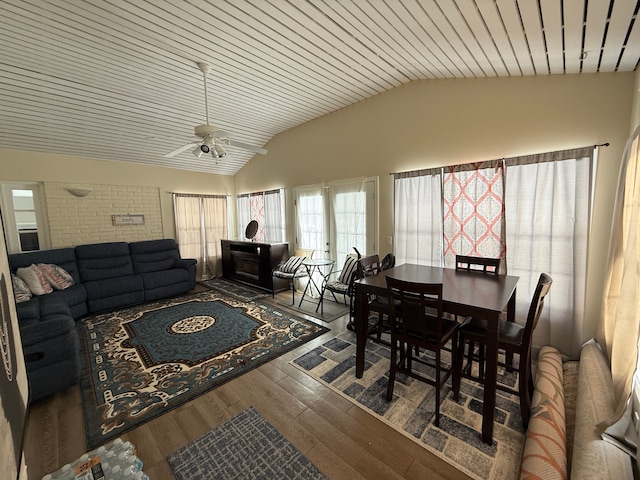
(490, 266)
(482, 264)
(342, 278)
(293, 269)
(512, 338)
(419, 323)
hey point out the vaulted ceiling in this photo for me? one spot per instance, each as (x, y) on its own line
(118, 79)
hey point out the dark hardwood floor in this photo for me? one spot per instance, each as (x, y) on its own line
(343, 440)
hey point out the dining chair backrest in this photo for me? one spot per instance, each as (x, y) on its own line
(420, 309)
(481, 264)
(535, 309)
(304, 252)
(369, 265)
(389, 261)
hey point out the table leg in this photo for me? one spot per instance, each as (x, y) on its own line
(490, 378)
(361, 324)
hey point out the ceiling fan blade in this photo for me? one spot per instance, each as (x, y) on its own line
(180, 150)
(246, 146)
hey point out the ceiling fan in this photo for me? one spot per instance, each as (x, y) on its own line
(212, 139)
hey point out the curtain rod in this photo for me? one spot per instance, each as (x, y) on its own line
(199, 195)
(594, 146)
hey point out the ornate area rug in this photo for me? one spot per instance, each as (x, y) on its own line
(412, 409)
(139, 362)
(246, 446)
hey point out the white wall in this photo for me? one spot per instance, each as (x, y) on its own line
(109, 180)
(442, 122)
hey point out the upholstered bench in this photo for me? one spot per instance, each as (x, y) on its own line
(569, 400)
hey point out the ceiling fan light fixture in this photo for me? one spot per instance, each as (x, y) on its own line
(197, 151)
(220, 152)
(204, 148)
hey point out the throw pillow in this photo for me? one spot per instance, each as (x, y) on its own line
(21, 291)
(34, 278)
(291, 265)
(57, 276)
(350, 265)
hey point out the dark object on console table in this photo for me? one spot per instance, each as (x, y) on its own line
(106, 276)
(253, 263)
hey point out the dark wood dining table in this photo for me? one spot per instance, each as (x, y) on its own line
(464, 294)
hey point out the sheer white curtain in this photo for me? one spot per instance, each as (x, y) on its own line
(274, 216)
(418, 217)
(348, 219)
(547, 201)
(188, 217)
(201, 221)
(243, 210)
(621, 307)
(215, 229)
(266, 208)
(310, 230)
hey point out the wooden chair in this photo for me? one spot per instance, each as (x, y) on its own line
(419, 324)
(292, 269)
(489, 266)
(512, 338)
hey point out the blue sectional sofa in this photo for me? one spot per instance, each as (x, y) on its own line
(106, 276)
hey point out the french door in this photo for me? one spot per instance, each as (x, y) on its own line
(334, 217)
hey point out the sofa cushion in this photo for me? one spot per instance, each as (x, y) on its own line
(102, 261)
(545, 454)
(114, 293)
(593, 457)
(154, 255)
(34, 279)
(62, 257)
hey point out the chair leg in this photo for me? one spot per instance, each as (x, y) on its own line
(524, 380)
(392, 370)
(438, 387)
(458, 361)
(293, 292)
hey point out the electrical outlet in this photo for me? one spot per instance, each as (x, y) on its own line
(389, 240)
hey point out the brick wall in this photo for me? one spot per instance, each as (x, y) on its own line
(80, 220)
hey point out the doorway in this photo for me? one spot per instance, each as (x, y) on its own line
(24, 217)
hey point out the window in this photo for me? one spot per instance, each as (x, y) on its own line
(267, 208)
(201, 222)
(532, 211)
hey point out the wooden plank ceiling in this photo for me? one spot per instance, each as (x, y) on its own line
(118, 80)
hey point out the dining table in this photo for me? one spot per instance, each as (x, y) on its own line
(464, 293)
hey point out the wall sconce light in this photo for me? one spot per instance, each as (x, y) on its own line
(79, 192)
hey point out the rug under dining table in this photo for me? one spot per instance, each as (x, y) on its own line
(411, 412)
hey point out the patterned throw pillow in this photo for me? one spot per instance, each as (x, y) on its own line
(21, 291)
(350, 265)
(57, 276)
(34, 278)
(292, 264)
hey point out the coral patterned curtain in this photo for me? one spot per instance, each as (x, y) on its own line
(473, 217)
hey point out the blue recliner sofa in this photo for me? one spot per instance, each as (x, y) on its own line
(106, 276)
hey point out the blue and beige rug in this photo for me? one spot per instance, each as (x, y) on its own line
(139, 362)
(246, 446)
(412, 409)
